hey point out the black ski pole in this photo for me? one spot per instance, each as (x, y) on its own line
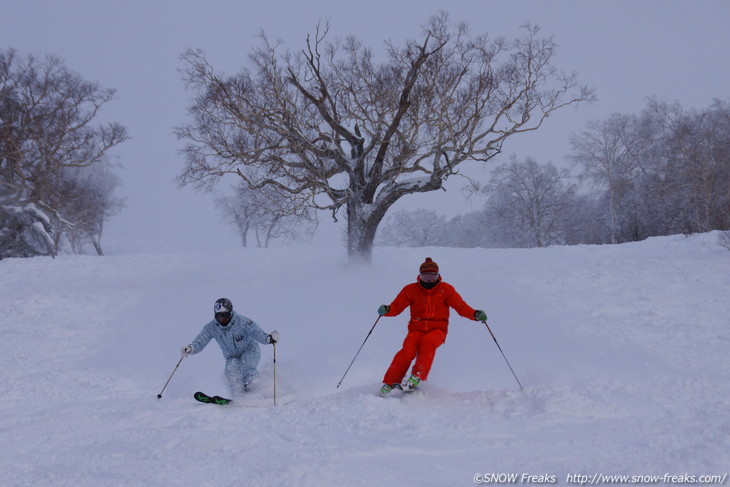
(358, 351)
(503, 355)
(274, 373)
(168, 380)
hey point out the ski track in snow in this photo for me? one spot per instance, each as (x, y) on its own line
(623, 351)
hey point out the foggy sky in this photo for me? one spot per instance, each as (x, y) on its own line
(626, 49)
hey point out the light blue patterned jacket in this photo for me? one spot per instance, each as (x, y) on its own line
(239, 336)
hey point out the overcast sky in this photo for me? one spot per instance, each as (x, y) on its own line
(626, 49)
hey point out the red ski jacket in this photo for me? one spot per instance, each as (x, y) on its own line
(429, 307)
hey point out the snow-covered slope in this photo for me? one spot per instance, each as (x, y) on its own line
(623, 352)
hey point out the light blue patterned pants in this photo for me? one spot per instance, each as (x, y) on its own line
(240, 371)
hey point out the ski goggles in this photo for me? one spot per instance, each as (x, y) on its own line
(429, 276)
(224, 316)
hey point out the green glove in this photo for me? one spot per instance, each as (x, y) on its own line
(384, 308)
(480, 315)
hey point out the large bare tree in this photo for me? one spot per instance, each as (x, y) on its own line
(333, 128)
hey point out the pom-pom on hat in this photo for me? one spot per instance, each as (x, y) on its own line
(429, 266)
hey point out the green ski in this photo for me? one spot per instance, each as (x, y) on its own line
(203, 397)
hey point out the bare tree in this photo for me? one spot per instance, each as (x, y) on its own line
(47, 116)
(89, 203)
(417, 228)
(236, 212)
(661, 172)
(609, 152)
(682, 184)
(268, 213)
(723, 239)
(697, 166)
(331, 127)
(537, 197)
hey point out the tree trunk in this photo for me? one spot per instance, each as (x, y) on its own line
(258, 237)
(97, 247)
(362, 225)
(612, 211)
(96, 239)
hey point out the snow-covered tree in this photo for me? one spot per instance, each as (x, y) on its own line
(25, 231)
(333, 127)
(47, 117)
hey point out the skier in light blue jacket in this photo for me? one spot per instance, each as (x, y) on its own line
(239, 339)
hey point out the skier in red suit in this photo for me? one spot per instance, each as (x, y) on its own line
(429, 299)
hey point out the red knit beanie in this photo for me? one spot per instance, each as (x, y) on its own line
(429, 266)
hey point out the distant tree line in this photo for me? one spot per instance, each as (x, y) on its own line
(56, 184)
(663, 171)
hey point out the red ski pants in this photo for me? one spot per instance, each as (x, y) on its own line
(419, 345)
